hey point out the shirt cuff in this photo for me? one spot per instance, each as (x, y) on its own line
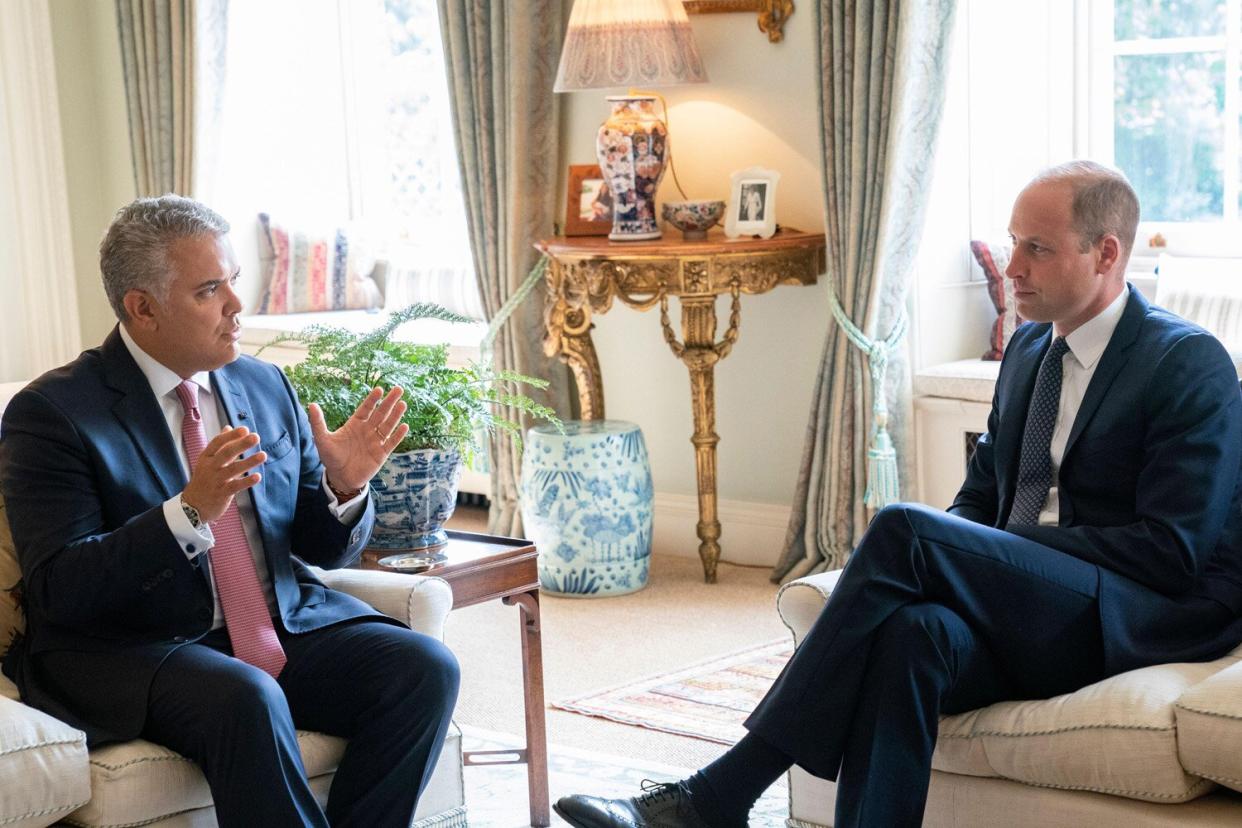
(348, 511)
(193, 542)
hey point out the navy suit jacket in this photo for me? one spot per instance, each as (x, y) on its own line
(86, 462)
(1150, 486)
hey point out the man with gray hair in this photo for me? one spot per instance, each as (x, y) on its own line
(1099, 530)
(165, 494)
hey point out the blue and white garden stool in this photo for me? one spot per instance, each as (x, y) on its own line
(586, 503)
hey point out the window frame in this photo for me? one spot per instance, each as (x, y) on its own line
(1095, 51)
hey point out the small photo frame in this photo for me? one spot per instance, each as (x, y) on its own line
(752, 203)
(588, 204)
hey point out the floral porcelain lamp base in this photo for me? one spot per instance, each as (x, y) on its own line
(632, 147)
(587, 504)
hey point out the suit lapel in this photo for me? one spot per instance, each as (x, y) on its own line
(238, 412)
(139, 413)
(1114, 358)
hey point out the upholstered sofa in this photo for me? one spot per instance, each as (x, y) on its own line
(1161, 746)
(47, 774)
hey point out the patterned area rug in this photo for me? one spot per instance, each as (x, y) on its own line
(496, 795)
(709, 700)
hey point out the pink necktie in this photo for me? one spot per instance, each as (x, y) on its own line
(241, 596)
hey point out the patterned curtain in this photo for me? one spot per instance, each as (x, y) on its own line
(883, 65)
(501, 59)
(172, 53)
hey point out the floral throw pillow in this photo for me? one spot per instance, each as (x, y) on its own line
(993, 257)
(306, 272)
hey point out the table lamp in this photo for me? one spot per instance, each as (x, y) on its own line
(630, 43)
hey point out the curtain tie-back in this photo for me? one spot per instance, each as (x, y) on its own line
(883, 479)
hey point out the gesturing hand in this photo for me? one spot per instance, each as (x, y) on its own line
(353, 453)
(219, 473)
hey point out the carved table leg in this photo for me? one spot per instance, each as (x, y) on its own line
(567, 335)
(698, 321)
(578, 351)
(536, 730)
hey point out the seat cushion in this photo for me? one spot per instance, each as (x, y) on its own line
(139, 781)
(1118, 736)
(1209, 726)
(43, 762)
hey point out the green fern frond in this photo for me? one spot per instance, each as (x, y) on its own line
(446, 407)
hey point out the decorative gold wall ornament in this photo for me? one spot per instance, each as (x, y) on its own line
(586, 274)
(772, 13)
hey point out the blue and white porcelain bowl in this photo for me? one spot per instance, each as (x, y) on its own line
(414, 493)
(587, 504)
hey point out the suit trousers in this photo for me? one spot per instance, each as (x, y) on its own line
(386, 689)
(932, 615)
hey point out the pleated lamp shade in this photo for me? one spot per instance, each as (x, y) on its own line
(628, 43)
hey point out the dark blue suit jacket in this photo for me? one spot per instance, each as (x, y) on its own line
(1150, 485)
(86, 462)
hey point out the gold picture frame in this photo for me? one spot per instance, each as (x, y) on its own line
(772, 13)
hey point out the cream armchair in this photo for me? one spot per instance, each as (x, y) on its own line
(47, 774)
(1150, 748)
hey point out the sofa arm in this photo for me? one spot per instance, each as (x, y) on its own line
(44, 771)
(800, 602)
(1209, 725)
(420, 601)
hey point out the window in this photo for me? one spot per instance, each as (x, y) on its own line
(336, 113)
(1164, 106)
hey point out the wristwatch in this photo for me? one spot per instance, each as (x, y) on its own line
(191, 514)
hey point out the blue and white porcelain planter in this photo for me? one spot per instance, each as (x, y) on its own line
(586, 503)
(414, 493)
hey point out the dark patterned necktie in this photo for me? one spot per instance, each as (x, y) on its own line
(1035, 463)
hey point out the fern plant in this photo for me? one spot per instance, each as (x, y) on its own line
(447, 407)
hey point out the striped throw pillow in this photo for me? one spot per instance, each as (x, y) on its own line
(307, 272)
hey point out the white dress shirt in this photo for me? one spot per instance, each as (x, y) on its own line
(193, 541)
(1086, 346)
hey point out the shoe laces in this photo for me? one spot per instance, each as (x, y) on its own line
(655, 792)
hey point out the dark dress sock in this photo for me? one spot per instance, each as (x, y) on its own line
(724, 792)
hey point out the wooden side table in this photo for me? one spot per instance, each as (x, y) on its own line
(484, 568)
(587, 273)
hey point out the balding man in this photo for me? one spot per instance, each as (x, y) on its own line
(1099, 530)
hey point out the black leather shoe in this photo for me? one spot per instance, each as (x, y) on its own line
(664, 805)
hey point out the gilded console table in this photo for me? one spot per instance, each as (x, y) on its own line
(587, 273)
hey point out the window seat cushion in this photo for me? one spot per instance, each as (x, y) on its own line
(965, 379)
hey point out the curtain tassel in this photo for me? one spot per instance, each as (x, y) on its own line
(883, 476)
